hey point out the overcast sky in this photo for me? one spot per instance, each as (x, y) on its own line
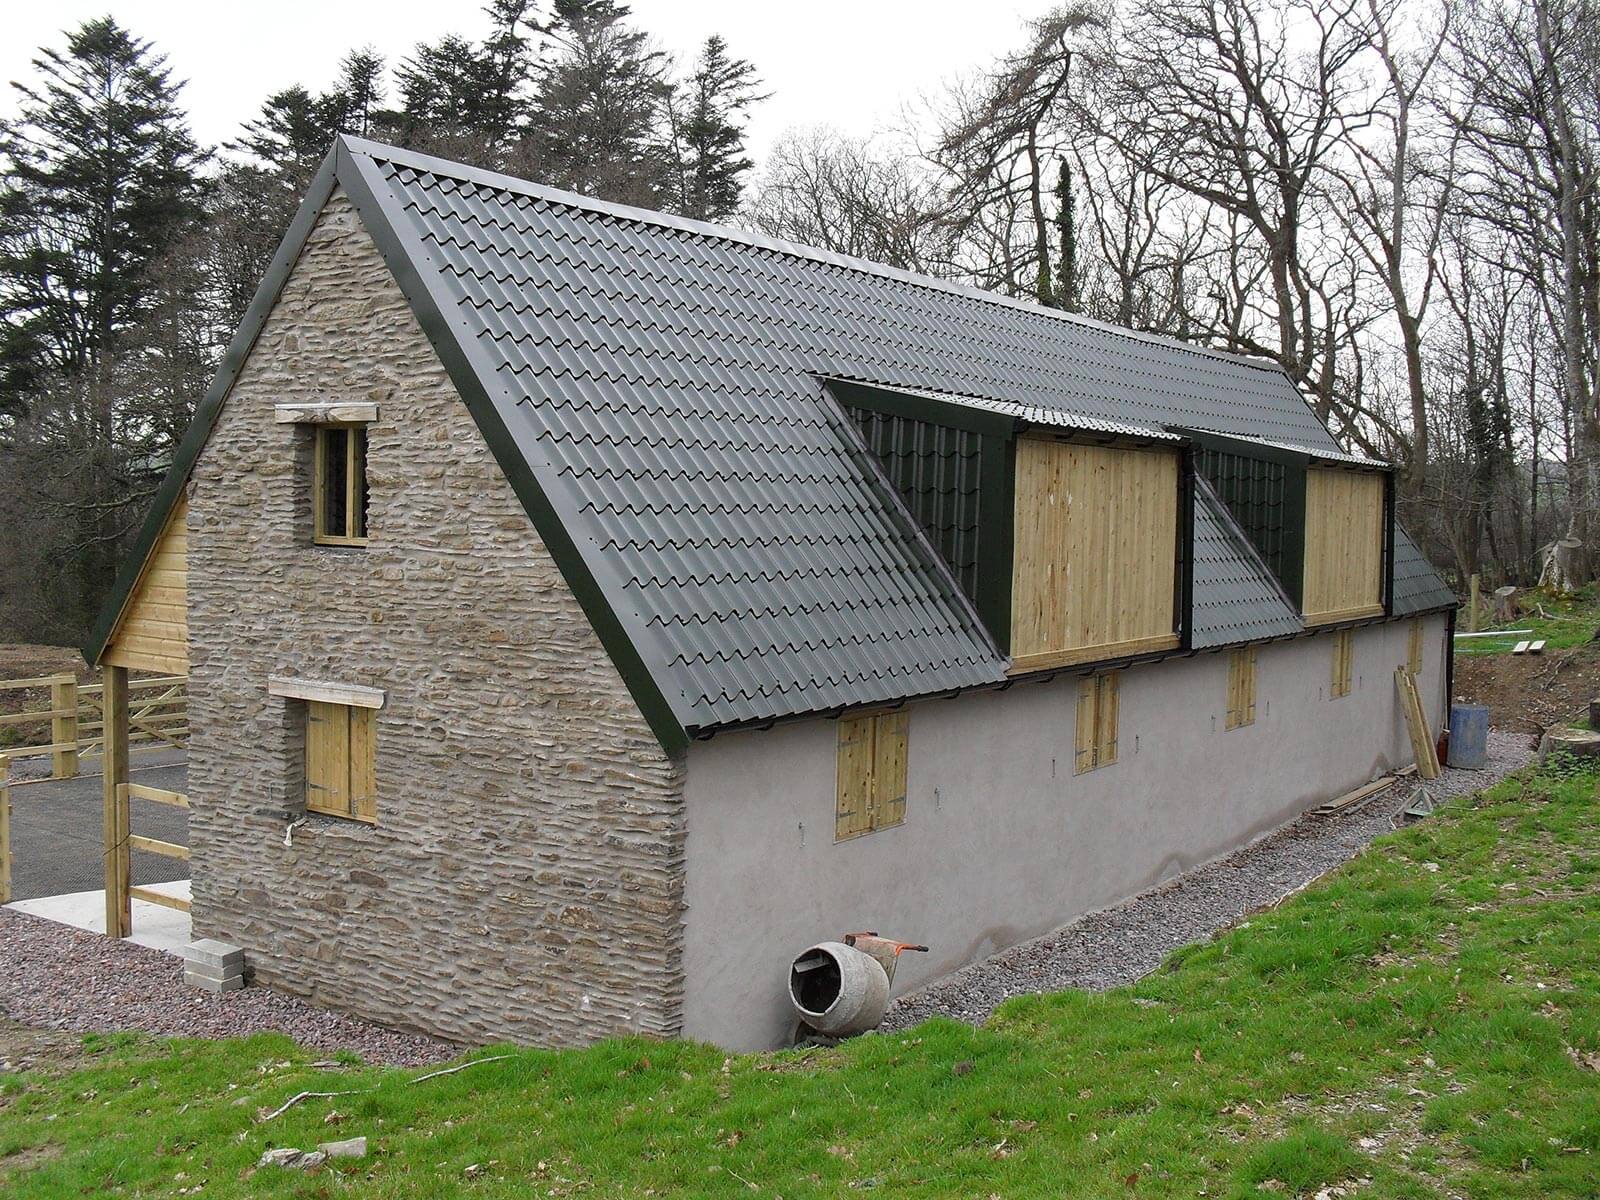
(851, 64)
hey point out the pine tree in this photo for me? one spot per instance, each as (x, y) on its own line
(707, 112)
(467, 99)
(598, 108)
(357, 95)
(101, 191)
(101, 178)
(293, 132)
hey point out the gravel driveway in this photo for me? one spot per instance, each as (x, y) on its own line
(58, 977)
(1119, 945)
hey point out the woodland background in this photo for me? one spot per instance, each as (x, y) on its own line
(1399, 203)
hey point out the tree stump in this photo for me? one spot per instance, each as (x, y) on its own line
(1559, 572)
(1507, 608)
(1594, 714)
(1580, 743)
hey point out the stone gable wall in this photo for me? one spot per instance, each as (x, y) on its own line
(524, 880)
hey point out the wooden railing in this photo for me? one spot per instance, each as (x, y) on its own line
(158, 714)
(5, 829)
(121, 840)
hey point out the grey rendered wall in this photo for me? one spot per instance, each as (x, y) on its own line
(524, 877)
(1001, 841)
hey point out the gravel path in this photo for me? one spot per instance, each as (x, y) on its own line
(1119, 945)
(56, 977)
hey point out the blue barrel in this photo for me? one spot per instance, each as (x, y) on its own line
(1469, 736)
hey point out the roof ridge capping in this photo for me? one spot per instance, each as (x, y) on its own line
(415, 160)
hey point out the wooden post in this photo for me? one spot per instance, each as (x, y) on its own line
(64, 725)
(114, 800)
(5, 830)
(1472, 610)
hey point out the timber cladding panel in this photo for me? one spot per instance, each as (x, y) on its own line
(1343, 546)
(153, 633)
(520, 873)
(1095, 560)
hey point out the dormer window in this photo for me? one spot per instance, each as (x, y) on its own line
(340, 490)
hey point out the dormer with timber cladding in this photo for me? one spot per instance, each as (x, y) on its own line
(1069, 536)
(1323, 523)
(1080, 542)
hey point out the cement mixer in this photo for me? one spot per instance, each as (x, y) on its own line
(841, 988)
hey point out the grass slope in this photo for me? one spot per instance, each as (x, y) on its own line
(1424, 1022)
(1568, 621)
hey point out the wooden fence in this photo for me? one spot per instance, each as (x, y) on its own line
(121, 891)
(158, 714)
(5, 829)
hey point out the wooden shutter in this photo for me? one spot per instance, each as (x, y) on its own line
(871, 790)
(363, 764)
(1241, 687)
(1249, 686)
(853, 804)
(1343, 662)
(889, 768)
(341, 760)
(327, 758)
(1096, 734)
(1105, 719)
(1083, 748)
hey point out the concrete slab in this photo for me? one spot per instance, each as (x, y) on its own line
(154, 925)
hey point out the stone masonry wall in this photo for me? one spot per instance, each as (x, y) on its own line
(524, 880)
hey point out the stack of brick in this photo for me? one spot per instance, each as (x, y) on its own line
(213, 965)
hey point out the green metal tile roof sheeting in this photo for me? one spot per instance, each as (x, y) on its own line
(663, 381)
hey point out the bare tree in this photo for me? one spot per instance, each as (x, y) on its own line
(1243, 105)
(1002, 136)
(852, 197)
(1394, 198)
(1534, 133)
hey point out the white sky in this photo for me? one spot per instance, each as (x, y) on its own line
(852, 64)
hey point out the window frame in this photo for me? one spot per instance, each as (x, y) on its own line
(355, 483)
(351, 754)
(876, 773)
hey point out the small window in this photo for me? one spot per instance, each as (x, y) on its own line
(1242, 687)
(872, 774)
(1414, 648)
(1097, 723)
(1343, 661)
(340, 758)
(340, 494)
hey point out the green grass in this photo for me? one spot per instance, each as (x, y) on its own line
(1568, 621)
(1418, 1021)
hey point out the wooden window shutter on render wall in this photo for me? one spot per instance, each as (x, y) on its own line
(1343, 662)
(1095, 740)
(1242, 687)
(872, 760)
